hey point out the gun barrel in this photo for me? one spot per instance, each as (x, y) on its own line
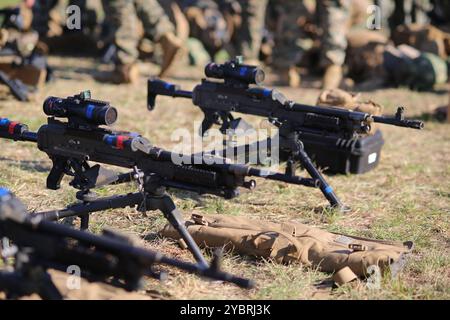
(101, 204)
(144, 256)
(16, 131)
(207, 272)
(413, 124)
(275, 176)
(29, 136)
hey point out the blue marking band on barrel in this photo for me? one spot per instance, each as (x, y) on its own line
(267, 92)
(90, 111)
(109, 140)
(243, 71)
(4, 122)
(328, 190)
(168, 86)
(4, 192)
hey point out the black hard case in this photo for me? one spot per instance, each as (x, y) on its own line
(336, 155)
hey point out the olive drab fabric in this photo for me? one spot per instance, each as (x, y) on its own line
(124, 17)
(407, 66)
(294, 242)
(352, 101)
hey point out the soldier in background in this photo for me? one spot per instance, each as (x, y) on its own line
(49, 15)
(287, 52)
(248, 36)
(123, 15)
(409, 11)
(440, 14)
(332, 18)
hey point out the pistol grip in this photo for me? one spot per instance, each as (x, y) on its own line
(56, 174)
(151, 101)
(207, 123)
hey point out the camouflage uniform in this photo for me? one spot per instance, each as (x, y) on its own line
(287, 52)
(50, 14)
(407, 11)
(440, 14)
(333, 16)
(334, 19)
(247, 39)
(123, 16)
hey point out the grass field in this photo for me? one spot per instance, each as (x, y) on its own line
(6, 3)
(406, 198)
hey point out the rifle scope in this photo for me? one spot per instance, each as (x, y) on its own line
(81, 107)
(235, 71)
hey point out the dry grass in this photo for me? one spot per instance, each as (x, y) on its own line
(406, 198)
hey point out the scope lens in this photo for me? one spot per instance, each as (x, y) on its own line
(259, 76)
(48, 106)
(111, 116)
(213, 70)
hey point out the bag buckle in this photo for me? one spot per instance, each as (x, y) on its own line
(357, 247)
(199, 219)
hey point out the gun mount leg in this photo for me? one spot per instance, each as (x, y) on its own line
(326, 189)
(166, 205)
(84, 222)
(152, 202)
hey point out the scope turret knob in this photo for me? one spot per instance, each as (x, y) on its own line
(85, 94)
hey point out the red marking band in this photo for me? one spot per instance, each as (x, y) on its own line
(119, 142)
(11, 127)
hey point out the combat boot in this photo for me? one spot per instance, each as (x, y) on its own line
(332, 77)
(122, 74)
(171, 45)
(290, 77)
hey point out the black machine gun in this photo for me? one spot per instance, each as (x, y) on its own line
(72, 145)
(235, 93)
(38, 245)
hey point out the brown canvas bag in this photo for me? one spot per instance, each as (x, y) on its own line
(294, 242)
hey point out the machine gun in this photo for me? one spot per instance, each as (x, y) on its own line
(38, 245)
(73, 144)
(235, 93)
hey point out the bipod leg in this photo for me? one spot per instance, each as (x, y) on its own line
(166, 205)
(326, 189)
(87, 197)
(84, 222)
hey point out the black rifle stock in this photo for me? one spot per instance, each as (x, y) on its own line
(110, 258)
(220, 99)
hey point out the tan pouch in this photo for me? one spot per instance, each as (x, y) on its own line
(351, 101)
(293, 242)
